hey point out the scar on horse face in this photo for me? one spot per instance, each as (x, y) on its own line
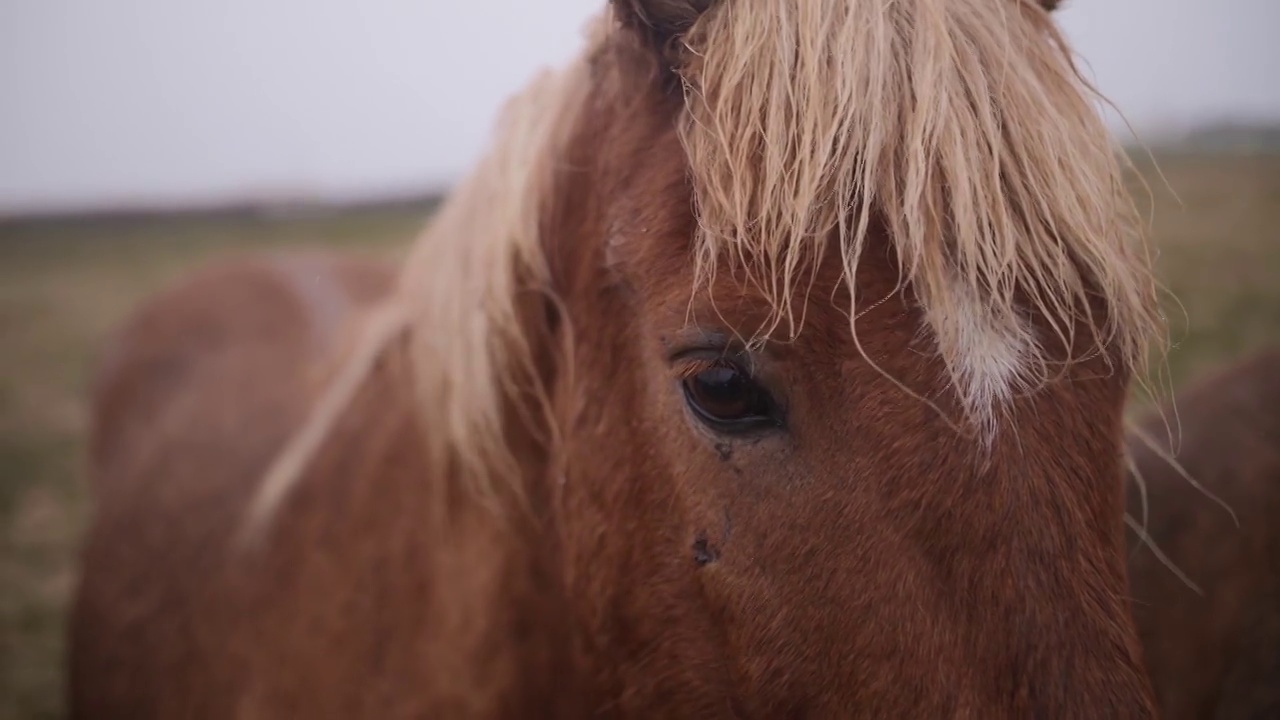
(704, 553)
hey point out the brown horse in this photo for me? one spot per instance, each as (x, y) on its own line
(1212, 637)
(772, 364)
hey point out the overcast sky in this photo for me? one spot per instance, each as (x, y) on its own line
(106, 103)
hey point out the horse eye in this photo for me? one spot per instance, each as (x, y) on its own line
(728, 399)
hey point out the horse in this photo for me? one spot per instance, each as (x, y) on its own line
(771, 362)
(1208, 606)
(217, 367)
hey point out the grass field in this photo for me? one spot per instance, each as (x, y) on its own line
(63, 284)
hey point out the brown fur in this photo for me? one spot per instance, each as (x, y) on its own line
(1217, 655)
(875, 557)
(192, 396)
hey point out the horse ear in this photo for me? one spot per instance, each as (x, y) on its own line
(660, 22)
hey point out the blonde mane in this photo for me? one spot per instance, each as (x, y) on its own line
(457, 303)
(964, 128)
(961, 126)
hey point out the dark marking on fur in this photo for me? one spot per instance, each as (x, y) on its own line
(704, 553)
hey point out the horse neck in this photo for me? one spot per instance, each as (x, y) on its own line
(458, 599)
(499, 564)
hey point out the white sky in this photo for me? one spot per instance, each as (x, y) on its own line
(105, 103)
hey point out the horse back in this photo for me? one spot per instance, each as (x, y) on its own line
(1216, 655)
(376, 589)
(280, 314)
(193, 398)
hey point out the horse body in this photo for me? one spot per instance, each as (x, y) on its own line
(771, 364)
(194, 397)
(1216, 655)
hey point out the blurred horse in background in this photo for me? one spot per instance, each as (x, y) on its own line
(1211, 636)
(270, 325)
(771, 364)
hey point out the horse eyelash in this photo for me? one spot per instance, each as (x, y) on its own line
(687, 367)
(690, 367)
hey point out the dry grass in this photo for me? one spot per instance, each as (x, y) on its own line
(64, 284)
(1219, 254)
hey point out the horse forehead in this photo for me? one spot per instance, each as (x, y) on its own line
(888, 319)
